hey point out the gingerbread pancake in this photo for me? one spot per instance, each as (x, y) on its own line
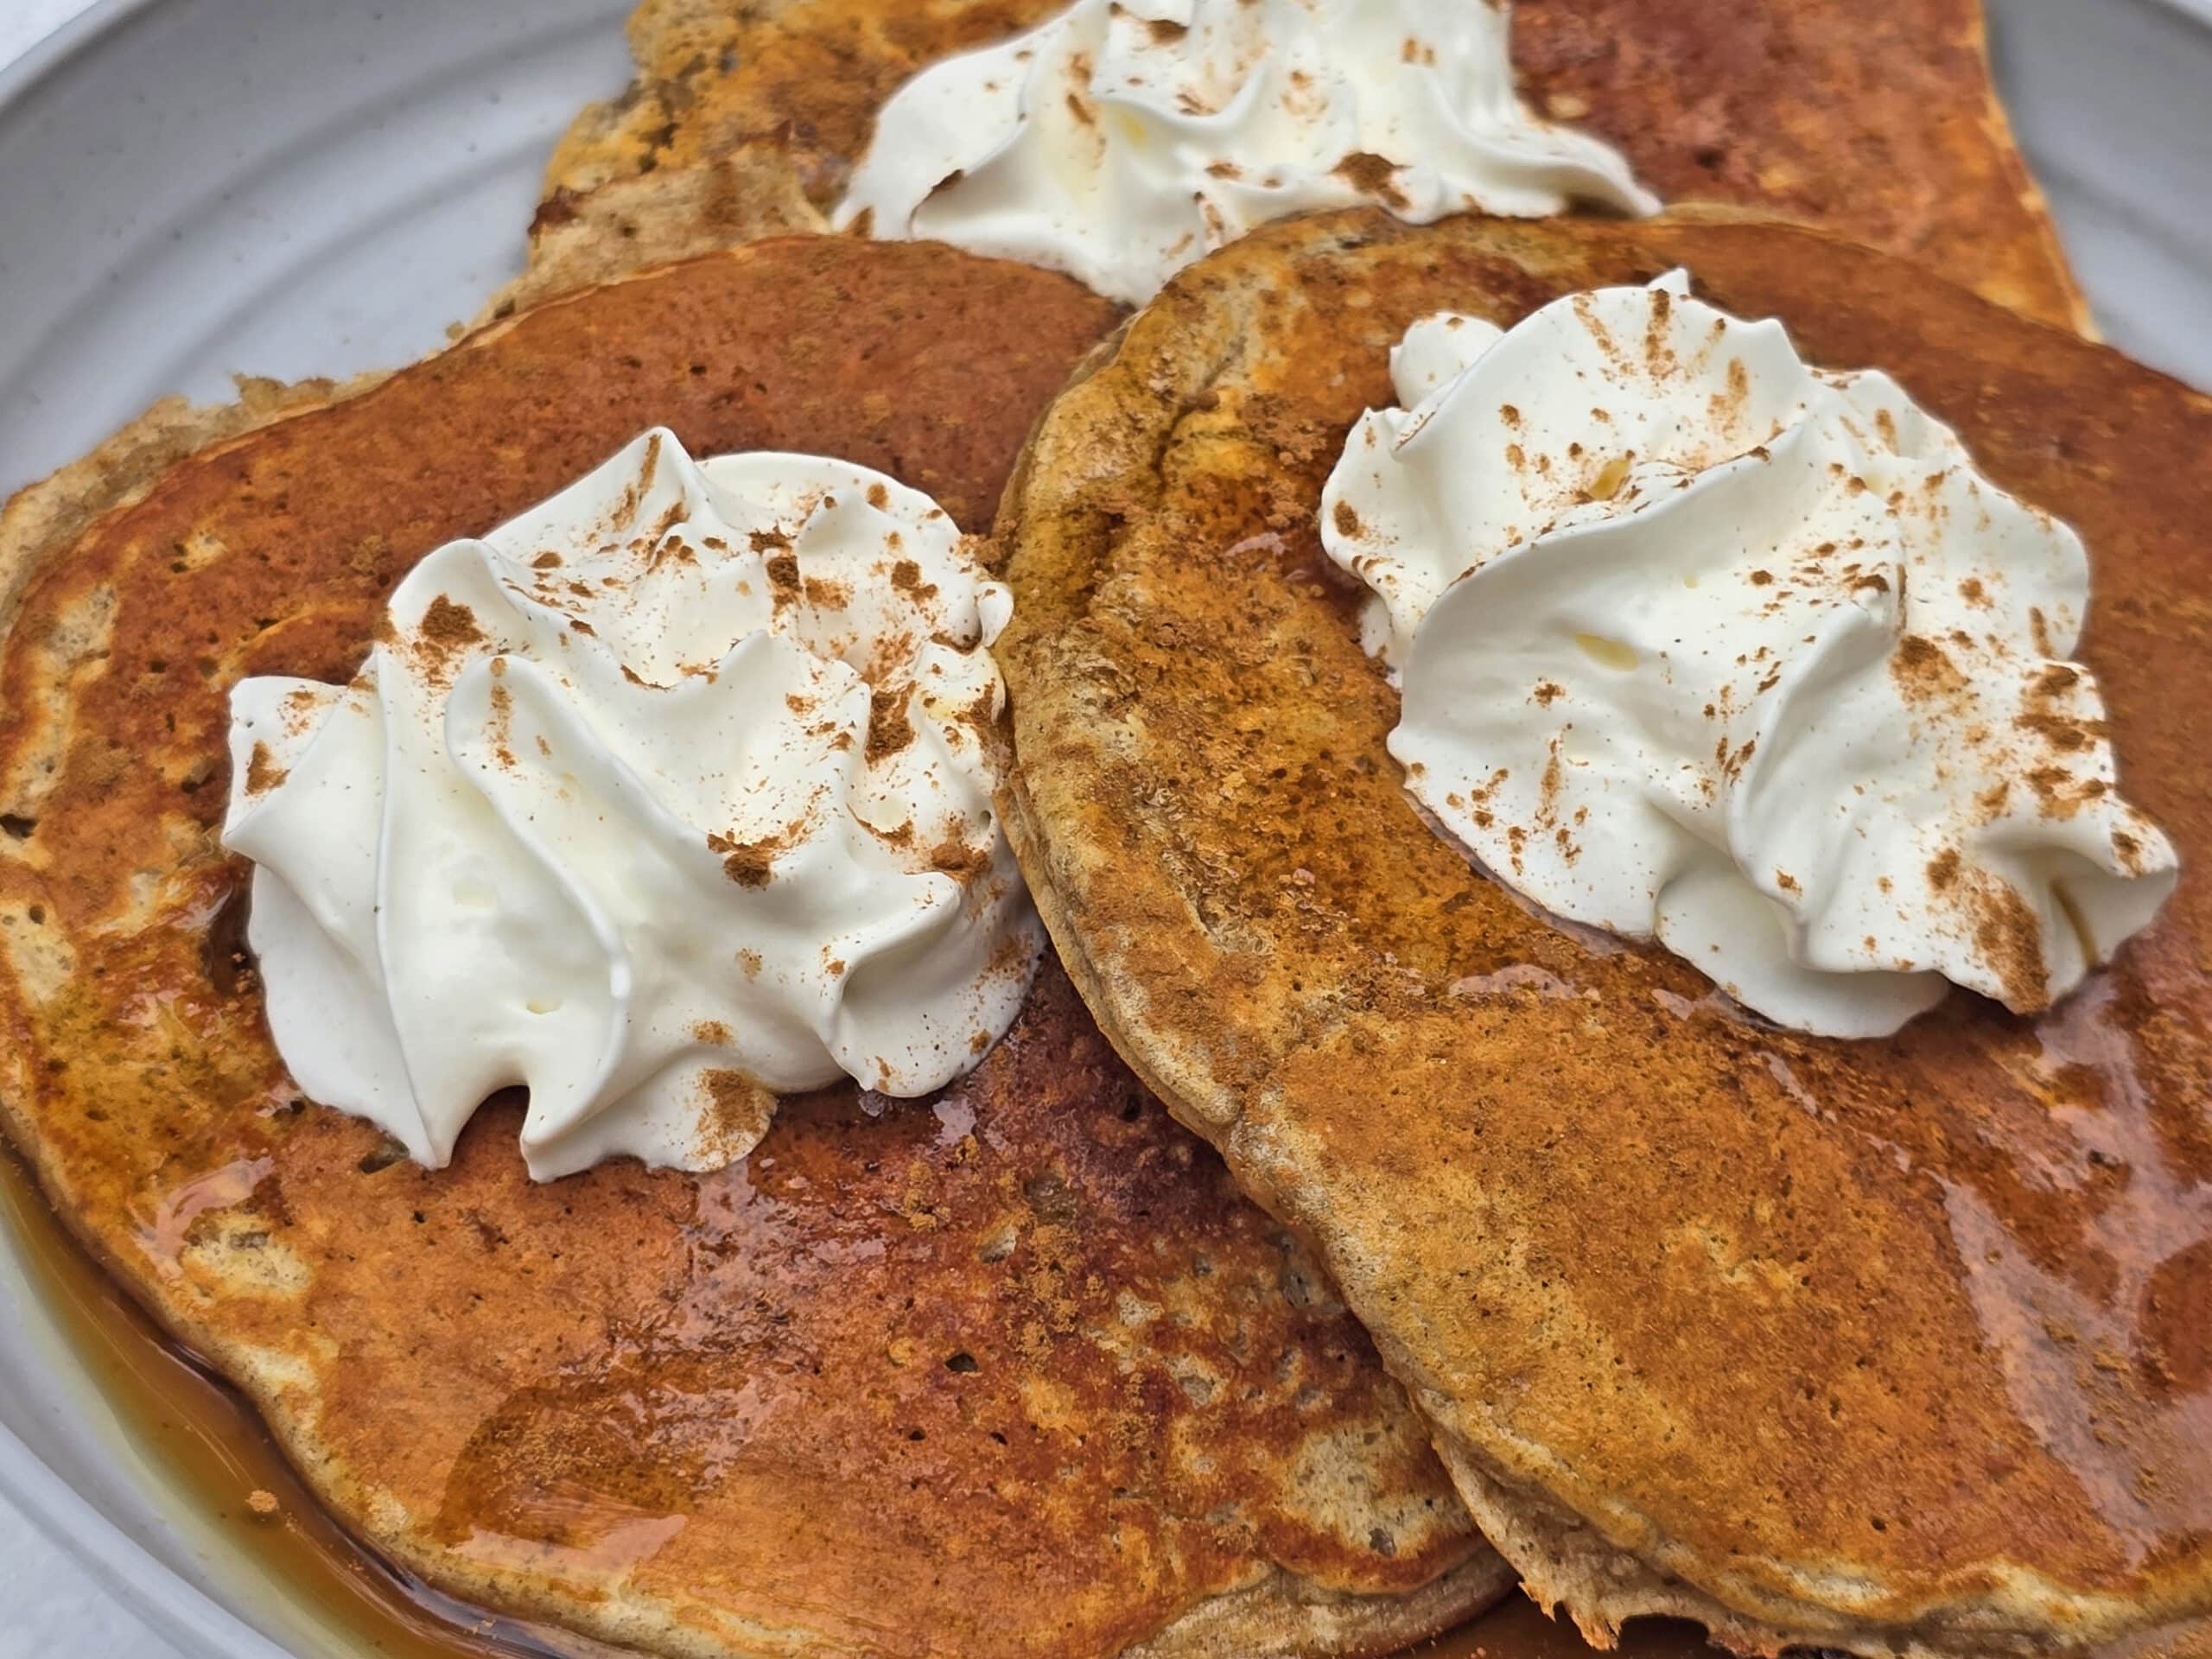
(1011, 1371)
(1896, 1346)
(1881, 122)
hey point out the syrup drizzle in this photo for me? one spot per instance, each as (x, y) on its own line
(209, 1449)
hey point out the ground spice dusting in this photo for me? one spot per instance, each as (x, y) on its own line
(447, 628)
(262, 771)
(907, 577)
(1922, 670)
(2061, 734)
(889, 730)
(1740, 384)
(955, 858)
(737, 1110)
(503, 715)
(2009, 935)
(1373, 175)
(748, 863)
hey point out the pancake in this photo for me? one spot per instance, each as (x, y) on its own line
(1009, 1371)
(1899, 1346)
(747, 115)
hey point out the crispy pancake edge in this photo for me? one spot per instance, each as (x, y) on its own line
(1278, 1608)
(1131, 893)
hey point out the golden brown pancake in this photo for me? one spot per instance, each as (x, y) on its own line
(1882, 123)
(1903, 1347)
(1007, 1371)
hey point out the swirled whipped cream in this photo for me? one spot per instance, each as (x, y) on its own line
(1125, 138)
(667, 798)
(1701, 644)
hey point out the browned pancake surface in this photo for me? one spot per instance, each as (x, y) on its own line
(1880, 122)
(1010, 1371)
(1901, 1345)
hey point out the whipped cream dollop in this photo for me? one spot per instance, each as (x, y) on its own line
(1125, 138)
(669, 796)
(1700, 644)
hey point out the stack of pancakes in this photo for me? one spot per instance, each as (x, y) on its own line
(1610, 1293)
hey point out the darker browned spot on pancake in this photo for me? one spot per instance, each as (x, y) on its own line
(2179, 1306)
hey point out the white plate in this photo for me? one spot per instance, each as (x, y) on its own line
(190, 188)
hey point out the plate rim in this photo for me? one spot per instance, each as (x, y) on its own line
(170, 1606)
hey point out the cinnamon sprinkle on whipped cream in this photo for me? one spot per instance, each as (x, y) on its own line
(671, 796)
(1701, 644)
